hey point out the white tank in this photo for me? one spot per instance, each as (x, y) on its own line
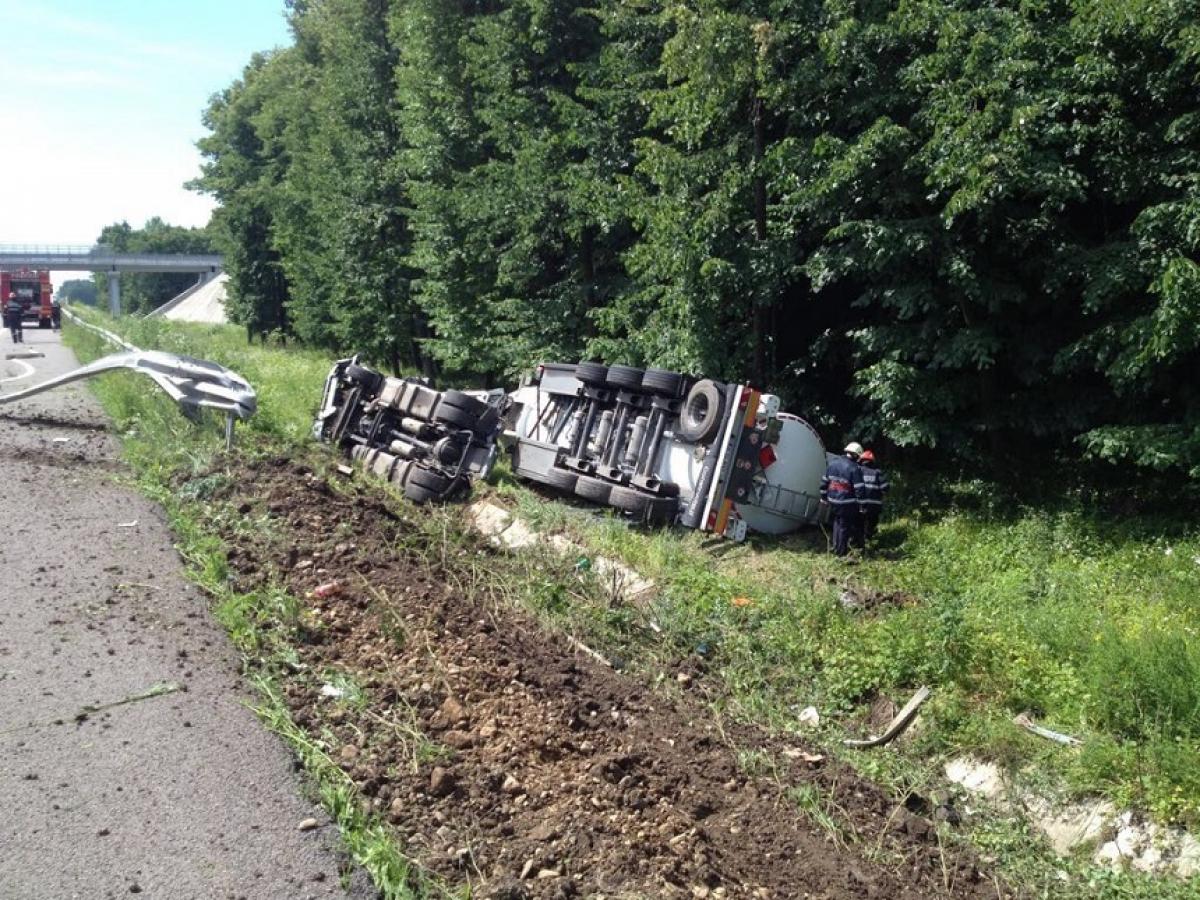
(791, 494)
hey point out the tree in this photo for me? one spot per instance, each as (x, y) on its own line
(142, 292)
(243, 176)
(78, 290)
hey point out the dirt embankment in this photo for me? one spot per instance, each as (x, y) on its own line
(503, 758)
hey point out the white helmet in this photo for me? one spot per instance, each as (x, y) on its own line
(854, 448)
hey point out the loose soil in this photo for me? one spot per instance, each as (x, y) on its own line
(504, 758)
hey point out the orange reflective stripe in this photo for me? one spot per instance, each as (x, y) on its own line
(723, 516)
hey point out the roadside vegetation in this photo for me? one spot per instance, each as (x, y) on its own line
(1086, 621)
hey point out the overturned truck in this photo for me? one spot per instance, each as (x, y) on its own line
(662, 447)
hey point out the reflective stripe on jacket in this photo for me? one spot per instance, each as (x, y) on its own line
(842, 482)
(875, 485)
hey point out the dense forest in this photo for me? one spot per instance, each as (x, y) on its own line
(951, 224)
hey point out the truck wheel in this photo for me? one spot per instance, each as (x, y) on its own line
(370, 381)
(663, 383)
(625, 378)
(465, 402)
(662, 511)
(593, 489)
(700, 418)
(400, 472)
(561, 479)
(644, 507)
(427, 486)
(453, 417)
(629, 500)
(592, 374)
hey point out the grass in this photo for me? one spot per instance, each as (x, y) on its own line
(1087, 622)
(1090, 626)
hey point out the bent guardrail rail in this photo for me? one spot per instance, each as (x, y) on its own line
(193, 384)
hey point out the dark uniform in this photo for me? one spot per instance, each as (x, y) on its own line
(13, 310)
(55, 314)
(842, 488)
(875, 486)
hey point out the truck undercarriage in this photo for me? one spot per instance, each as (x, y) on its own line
(661, 447)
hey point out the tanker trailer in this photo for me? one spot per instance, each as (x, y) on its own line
(667, 448)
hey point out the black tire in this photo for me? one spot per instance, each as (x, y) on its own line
(561, 479)
(592, 374)
(400, 472)
(427, 486)
(593, 489)
(629, 500)
(662, 511)
(667, 489)
(454, 418)
(700, 418)
(625, 378)
(663, 383)
(468, 404)
(645, 508)
(370, 380)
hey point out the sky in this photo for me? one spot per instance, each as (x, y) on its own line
(100, 108)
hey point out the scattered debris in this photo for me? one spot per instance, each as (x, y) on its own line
(25, 354)
(158, 690)
(1028, 724)
(579, 645)
(901, 721)
(803, 756)
(329, 589)
(741, 601)
(130, 524)
(1120, 839)
(976, 777)
(861, 599)
(61, 440)
(809, 717)
(331, 690)
(1070, 825)
(504, 529)
(308, 824)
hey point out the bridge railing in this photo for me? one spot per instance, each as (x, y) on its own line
(57, 249)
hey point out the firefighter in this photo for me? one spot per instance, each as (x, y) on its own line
(12, 314)
(875, 486)
(842, 488)
(55, 314)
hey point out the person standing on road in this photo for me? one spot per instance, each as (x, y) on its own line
(842, 488)
(13, 312)
(55, 314)
(875, 486)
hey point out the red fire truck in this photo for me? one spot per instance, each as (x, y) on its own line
(33, 290)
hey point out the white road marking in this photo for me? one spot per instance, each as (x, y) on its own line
(24, 365)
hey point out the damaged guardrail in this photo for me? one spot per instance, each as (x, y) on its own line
(193, 384)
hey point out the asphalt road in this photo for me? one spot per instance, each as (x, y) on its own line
(183, 794)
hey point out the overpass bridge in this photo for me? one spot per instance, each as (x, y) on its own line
(99, 258)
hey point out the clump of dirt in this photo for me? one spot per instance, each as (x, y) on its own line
(503, 757)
